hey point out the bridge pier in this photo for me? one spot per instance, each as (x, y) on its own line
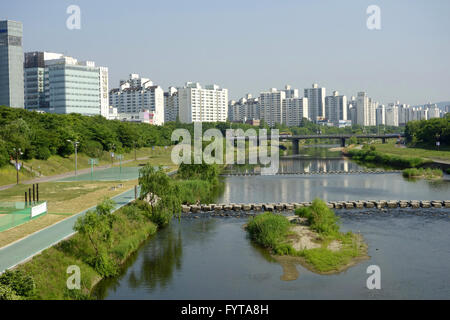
(295, 146)
(343, 142)
(383, 140)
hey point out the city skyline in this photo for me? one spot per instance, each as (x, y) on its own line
(389, 63)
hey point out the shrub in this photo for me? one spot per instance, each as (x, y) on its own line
(21, 283)
(6, 293)
(421, 172)
(321, 218)
(268, 229)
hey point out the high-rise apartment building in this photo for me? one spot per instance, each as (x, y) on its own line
(137, 95)
(171, 107)
(381, 115)
(365, 110)
(316, 102)
(392, 115)
(197, 104)
(271, 106)
(294, 110)
(11, 64)
(246, 108)
(336, 108)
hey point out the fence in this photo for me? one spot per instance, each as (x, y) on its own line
(13, 214)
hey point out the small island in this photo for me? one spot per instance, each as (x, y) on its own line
(421, 173)
(312, 238)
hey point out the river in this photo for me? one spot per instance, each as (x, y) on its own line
(212, 258)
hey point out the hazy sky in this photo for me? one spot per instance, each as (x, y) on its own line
(251, 46)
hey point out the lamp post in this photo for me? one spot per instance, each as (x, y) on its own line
(17, 152)
(438, 143)
(75, 145)
(112, 148)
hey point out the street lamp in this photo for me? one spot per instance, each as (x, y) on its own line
(438, 143)
(17, 153)
(112, 148)
(75, 145)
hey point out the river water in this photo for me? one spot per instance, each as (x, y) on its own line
(212, 258)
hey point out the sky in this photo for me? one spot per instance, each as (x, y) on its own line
(251, 46)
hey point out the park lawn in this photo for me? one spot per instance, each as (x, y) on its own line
(8, 175)
(64, 199)
(69, 197)
(394, 149)
(11, 235)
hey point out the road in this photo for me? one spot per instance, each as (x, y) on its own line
(24, 249)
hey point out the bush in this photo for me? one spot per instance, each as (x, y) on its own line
(21, 283)
(321, 218)
(268, 229)
(6, 293)
(421, 172)
(447, 170)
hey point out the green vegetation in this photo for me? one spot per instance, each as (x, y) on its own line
(425, 133)
(104, 240)
(320, 218)
(422, 173)
(102, 244)
(416, 152)
(16, 285)
(269, 230)
(330, 250)
(447, 170)
(370, 155)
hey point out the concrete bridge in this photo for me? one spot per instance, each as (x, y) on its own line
(253, 208)
(342, 138)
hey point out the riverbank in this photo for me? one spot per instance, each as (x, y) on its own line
(313, 238)
(370, 155)
(96, 258)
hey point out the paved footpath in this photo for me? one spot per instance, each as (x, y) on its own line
(24, 249)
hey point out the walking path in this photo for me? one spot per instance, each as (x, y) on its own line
(24, 249)
(66, 174)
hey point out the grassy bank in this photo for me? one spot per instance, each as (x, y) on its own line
(371, 155)
(318, 243)
(103, 242)
(422, 173)
(415, 152)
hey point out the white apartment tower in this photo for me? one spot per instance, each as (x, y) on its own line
(365, 110)
(197, 104)
(271, 106)
(295, 109)
(316, 102)
(171, 107)
(392, 115)
(136, 95)
(336, 108)
(381, 115)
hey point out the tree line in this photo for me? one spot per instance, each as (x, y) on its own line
(426, 133)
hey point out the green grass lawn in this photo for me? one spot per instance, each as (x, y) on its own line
(8, 175)
(394, 149)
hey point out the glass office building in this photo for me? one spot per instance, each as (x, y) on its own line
(11, 64)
